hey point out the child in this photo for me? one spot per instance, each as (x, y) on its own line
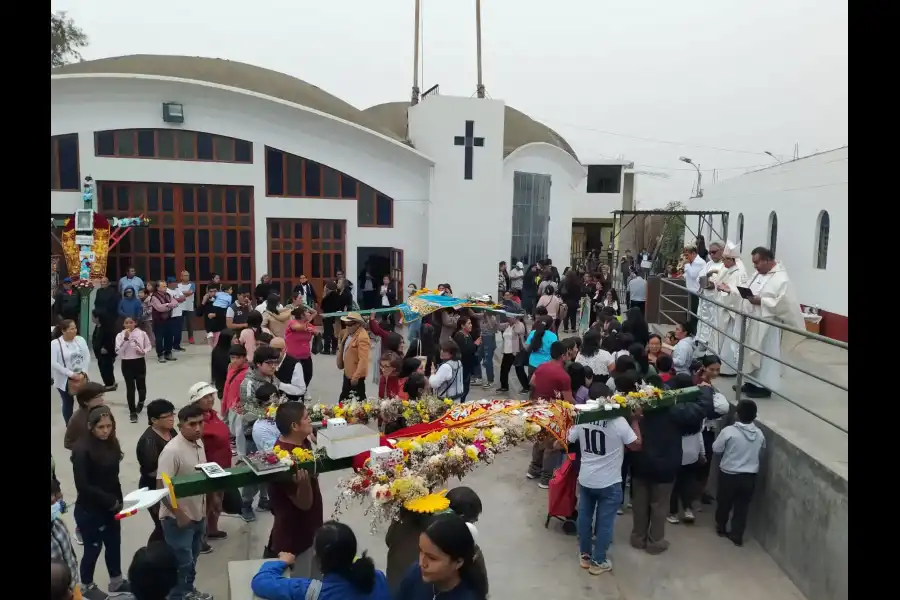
(265, 431)
(665, 368)
(132, 345)
(206, 309)
(740, 446)
(580, 390)
(146, 321)
(402, 536)
(389, 382)
(344, 575)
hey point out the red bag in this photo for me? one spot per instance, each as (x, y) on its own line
(563, 494)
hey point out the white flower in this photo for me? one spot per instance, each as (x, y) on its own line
(498, 431)
(435, 459)
(609, 406)
(380, 493)
(455, 452)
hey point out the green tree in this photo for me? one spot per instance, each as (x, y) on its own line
(673, 236)
(65, 40)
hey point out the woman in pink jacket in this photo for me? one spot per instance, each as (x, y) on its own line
(132, 344)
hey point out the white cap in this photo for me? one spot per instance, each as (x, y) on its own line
(201, 389)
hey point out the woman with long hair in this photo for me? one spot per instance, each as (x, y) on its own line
(468, 349)
(513, 333)
(95, 466)
(220, 359)
(592, 355)
(424, 345)
(70, 359)
(132, 345)
(298, 339)
(639, 354)
(570, 290)
(275, 319)
(538, 343)
(344, 575)
(611, 299)
(636, 324)
(447, 563)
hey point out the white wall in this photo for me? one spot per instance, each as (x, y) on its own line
(797, 192)
(464, 242)
(85, 105)
(598, 206)
(565, 177)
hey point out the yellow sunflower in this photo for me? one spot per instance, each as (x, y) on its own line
(430, 504)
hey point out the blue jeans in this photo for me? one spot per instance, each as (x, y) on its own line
(597, 513)
(99, 531)
(68, 404)
(186, 543)
(488, 347)
(413, 330)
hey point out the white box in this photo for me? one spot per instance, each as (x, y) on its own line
(349, 440)
(336, 422)
(385, 456)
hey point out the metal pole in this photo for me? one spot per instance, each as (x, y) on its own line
(480, 89)
(415, 88)
(742, 338)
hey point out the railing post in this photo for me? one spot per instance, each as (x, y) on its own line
(742, 338)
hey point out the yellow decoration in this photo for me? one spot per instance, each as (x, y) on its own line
(168, 483)
(430, 504)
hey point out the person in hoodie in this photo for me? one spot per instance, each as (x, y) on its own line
(130, 306)
(265, 363)
(655, 466)
(344, 575)
(104, 343)
(740, 446)
(231, 395)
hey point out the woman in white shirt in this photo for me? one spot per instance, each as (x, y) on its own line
(447, 382)
(514, 333)
(592, 355)
(612, 299)
(70, 360)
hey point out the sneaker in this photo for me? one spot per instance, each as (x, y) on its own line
(585, 561)
(197, 595)
(544, 486)
(620, 511)
(179, 349)
(736, 541)
(169, 357)
(209, 335)
(600, 568)
(160, 359)
(487, 385)
(78, 539)
(673, 519)
(190, 340)
(216, 535)
(119, 587)
(688, 516)
(90, 591)
(133, 417)
(247, 514)
(111, 388)
(140, 407)
(263, 505)
(526, 390)
(528, 475)
(475, 381)
(205, 548)
(502, 390)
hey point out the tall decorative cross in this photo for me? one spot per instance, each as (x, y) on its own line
(469, 141)
(86, 242)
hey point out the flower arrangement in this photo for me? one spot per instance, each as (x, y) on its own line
(295, 456)
(428, 461)
(278, 459)
(424, 410)
(353, 410)
(621, 405)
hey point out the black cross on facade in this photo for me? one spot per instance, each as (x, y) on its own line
(469, 141)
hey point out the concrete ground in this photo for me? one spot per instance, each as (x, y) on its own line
(524, 559)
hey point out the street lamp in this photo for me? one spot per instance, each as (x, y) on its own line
(685, 159)
(773, 156)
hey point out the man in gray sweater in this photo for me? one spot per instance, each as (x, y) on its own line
(740, 446)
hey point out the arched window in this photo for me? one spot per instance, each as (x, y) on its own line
(740, 232)
(823, 228)
(773, 231)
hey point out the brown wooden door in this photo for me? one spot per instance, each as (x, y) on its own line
(312, 247)
(397, 273)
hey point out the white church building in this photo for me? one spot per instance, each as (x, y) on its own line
(245, 171)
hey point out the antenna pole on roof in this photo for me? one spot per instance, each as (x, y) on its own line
(480, 89)
(415, 88)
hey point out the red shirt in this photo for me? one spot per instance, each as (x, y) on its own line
(550, 380)
(293, 529)
(232, 392)
(389, 387)
(216, 439)
(297, 344)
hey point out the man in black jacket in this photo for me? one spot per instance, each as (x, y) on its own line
(332, 301)
(67, 304)
(654, 467)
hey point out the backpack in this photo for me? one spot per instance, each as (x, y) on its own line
(440, 393)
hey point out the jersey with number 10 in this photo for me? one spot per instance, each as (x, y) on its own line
(602, 451)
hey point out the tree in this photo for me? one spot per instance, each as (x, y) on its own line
(672, 242)
(65, 40)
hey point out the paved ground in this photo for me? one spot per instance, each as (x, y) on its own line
(524, 560)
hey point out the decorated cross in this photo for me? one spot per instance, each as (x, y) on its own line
(86, 241)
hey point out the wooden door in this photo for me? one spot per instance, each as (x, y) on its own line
(312, 247)
(397, 273)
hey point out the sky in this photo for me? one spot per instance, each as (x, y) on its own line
(649, 81)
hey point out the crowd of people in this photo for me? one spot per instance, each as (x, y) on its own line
(262, 356)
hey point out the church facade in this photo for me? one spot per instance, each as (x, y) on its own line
(245, 171)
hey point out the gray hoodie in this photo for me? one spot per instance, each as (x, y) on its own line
(740, 445)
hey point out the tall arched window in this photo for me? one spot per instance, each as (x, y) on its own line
(773, 231)
(740, 232)
(823, 228)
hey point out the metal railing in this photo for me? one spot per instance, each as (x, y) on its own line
(742, 318)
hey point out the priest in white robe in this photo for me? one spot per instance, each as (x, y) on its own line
(734, 276)
(707, 337)
(772, 299)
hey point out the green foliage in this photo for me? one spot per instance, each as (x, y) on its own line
(65, 40)
(673, 235)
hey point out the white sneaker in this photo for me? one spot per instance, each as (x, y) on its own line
(600, 568)
(673, 519)
(688, 516)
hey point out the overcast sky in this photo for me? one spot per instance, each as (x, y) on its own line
(708, 74)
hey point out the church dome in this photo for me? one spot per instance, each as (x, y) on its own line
(519, 128)
(234, 74)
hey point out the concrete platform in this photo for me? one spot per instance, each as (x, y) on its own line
(524, 559)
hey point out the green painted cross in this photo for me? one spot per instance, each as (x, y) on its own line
(122, 227)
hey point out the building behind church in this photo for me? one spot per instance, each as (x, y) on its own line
(245, 171)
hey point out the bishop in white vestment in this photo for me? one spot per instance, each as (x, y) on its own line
(734, 276)
(772, 299)
(707, 335)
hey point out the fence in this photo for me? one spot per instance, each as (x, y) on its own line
(742, 318)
